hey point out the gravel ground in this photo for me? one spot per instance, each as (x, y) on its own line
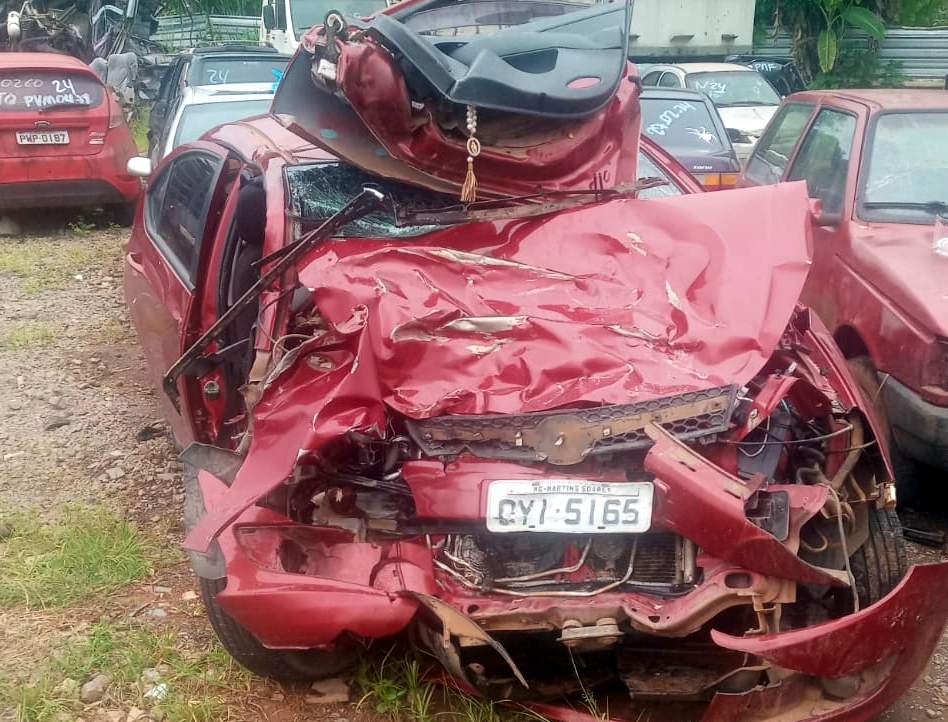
(79, 420)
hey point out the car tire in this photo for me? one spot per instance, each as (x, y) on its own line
(283, 665)
(908, 473)
(123, 214)
(879, 564)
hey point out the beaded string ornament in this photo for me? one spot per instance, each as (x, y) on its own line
(469, 189)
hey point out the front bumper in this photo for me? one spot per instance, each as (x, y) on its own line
(920, 429)
(848, 669)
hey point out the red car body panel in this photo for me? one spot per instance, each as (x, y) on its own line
(617, 302)
(880, 288)
(428, 328)
(90, 169)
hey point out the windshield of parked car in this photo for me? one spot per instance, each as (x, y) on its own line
(680, 125)
(734, 87)
(222, 71)
(199, 118)
(905, 176)
(304, 14)
(34, 90)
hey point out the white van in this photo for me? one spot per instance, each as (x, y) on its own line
(283, 22)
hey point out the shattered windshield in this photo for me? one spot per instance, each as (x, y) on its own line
(320, 190)
(905, 175)
(734, 87)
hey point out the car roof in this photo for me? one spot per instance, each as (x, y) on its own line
(43, 61)
(712, 67)
(879, 99)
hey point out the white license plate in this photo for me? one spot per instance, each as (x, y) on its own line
(568, 506)
(43, 137)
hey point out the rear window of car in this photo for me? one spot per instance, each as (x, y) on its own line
(34, 90)
(199, 118)
(223, 71)
(680, 125)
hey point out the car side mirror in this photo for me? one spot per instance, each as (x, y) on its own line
(268, 18)
(139, 166)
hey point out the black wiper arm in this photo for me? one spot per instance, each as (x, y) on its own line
(367, 201)
(930, 206)
(61, 106)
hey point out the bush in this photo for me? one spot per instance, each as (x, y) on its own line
(860, 68)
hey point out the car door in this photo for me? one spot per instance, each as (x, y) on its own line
(162, 260)
(159, 111)
(770, 159)
(826, 160)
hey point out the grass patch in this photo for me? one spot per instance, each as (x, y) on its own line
(197, 683)
(45, 264)
(139, 129)
(28, 335)
(88, 552)
(409, 688)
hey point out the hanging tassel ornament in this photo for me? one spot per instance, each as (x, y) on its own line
(469, 189)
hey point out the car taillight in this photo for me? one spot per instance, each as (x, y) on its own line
(717, 181)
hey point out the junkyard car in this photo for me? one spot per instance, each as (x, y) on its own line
(209, 67)
(878, 162)
(63, 138)
(743, 96)
(198, 109)
(576, 440)
(687, 125)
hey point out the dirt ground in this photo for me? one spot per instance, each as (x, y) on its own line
(79, 423)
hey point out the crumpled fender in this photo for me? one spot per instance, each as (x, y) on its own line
(704, 503)
(912, 615)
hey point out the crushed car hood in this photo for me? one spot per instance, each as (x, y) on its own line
(612, 303)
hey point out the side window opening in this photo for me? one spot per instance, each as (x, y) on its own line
(823, 160)
(769, 161)
(179, 219)
(669, 80)
(651, 78)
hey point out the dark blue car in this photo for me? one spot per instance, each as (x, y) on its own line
(687, 125)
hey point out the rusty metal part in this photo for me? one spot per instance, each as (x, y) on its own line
(465, 629)
(568, 437)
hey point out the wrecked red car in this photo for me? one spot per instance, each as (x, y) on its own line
(440, 361)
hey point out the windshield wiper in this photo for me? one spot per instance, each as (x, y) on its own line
(929, 206)
(526, 206)
(60, 106)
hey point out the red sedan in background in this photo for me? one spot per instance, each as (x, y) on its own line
(63, 138)
(878, 162)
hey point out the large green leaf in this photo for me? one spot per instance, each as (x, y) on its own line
(865, 20)
(826, 49)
